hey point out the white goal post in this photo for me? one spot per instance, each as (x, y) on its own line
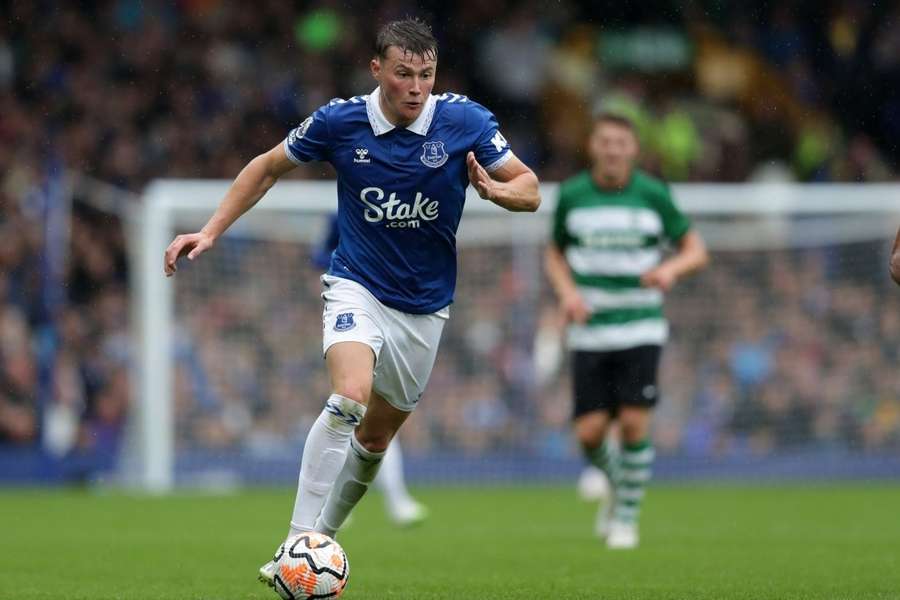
(168, 206)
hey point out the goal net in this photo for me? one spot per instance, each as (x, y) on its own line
(782, 360)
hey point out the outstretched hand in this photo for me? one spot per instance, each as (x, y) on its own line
(479, 178)
(190, 244)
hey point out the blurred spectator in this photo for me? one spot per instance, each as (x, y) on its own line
(18, 379)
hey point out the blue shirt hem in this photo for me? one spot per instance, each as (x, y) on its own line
(411, 309)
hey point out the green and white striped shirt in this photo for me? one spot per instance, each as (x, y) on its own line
(610, 238)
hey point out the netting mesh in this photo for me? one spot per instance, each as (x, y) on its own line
(783, 350)
(775, 353)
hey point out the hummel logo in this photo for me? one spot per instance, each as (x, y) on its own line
(362, 156)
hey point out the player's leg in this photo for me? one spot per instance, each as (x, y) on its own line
(593, 395)
(351, 343)
(637, 460)
(639, 398)
(593, 411)
(350, 366)
(401, 507)
(591, 432)
(636, 465)
(367, 449)
(404, 366)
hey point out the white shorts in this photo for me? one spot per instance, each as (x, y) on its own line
(405, 345)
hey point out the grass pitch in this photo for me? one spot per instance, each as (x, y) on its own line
(704, 542)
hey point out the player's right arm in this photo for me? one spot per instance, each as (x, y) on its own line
(560, 276)
(895, 260)
(557, 267)
(249, 186)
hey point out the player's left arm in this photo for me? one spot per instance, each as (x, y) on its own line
(895, 260)
(512, 185)
(690, 256)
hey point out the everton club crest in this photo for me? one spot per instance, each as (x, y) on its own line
(433, 154)
(344, 322)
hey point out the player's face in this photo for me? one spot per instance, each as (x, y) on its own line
(613, 149)
(406, 80)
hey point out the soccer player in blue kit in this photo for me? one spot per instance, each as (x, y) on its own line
(404, 158)
(402, 509)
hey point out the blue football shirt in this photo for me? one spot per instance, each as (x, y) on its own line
(401, 191)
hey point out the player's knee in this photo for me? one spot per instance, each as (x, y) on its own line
(590, 442)
(356, 391)
(589, 435)
(373, 441)
(635, 427)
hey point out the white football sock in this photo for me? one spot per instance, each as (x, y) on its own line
(390, 480)
(636, 470)
(323, 456)
(359, 470)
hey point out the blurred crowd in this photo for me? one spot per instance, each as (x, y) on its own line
(129, 90)
(64, 342)
(772, 351)
(126, 91)
(809, 363)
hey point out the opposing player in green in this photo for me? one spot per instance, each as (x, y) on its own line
(606, 264)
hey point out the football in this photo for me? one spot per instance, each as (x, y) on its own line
(310, 565)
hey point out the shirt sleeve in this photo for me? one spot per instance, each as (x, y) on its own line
(675, 222)
(491, 148)
(559, 235)
(309, 141)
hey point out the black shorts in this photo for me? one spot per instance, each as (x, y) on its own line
(605, 381)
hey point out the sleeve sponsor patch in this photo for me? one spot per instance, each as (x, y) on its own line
(499, 141)
(300, 130)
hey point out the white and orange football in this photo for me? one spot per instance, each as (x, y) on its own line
(310, 565)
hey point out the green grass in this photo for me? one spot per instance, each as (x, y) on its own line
(697, 543)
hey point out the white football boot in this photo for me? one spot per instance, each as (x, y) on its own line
(603, 522)
(593, 485)
(267, 573)
(622, 536)
(607, 500)
(408, 513)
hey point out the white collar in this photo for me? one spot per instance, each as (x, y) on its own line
(380, 124)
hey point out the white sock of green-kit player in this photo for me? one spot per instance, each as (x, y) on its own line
(390, 480)
(323, 456)
(359, 470)
(636, 470)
